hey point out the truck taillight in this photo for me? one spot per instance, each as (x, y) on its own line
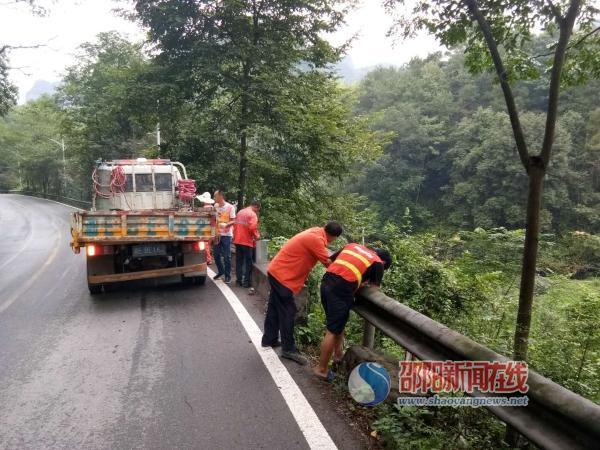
(97, 250)
(194, 247)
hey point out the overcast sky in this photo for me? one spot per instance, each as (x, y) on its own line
(72, 22)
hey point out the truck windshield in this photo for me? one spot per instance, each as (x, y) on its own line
(143, 182)
(163, 181)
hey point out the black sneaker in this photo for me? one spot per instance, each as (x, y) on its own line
(227, 280)
(239, 283)
(296, 357)
(273, 345)
(217, 276)
(246, 285)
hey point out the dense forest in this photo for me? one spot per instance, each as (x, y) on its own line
(419, 158)
(452, 158)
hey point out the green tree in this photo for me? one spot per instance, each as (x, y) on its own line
(8, 91)
(415, 104)
(108, 110)
(486, 187)
(241, 58)
(486, 26)
(423, 104)
(31, 160)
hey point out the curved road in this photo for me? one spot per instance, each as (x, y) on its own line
(142, 366)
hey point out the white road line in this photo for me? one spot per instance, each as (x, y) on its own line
(313, 430)
(53, 201)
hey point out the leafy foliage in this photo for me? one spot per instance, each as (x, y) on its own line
(30, 160)
(511, 24)
(260, 68)
(452, 159)
(8, 91)
(422, 428)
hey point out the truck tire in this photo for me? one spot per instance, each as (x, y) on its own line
(95, 289)
(193, 281)
(199, 281)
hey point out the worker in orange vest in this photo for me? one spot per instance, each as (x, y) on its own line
(287, 274)
(351, 267)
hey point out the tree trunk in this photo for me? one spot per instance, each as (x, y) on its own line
(244, 121)
(534, 202)
(536, 174)
(242, 174)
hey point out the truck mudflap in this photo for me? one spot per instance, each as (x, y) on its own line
(143, 274)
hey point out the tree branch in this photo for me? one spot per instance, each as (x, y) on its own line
(555, 11)
(575, 44)
(566, 29)
(20, 69)
(4, 48)
(506, 89)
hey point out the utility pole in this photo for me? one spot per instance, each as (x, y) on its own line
(158, 127)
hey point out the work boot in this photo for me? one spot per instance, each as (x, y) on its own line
(296, 357)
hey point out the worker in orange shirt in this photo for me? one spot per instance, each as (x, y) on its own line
(353, 266)
(245, 235)
(287, 274)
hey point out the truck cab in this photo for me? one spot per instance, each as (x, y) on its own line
(147, 184)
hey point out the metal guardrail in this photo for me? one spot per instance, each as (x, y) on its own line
(84, 204)
(555, 418)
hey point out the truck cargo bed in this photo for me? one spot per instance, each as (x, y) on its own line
(113, 227)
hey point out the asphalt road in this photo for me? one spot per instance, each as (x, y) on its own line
(142, 366)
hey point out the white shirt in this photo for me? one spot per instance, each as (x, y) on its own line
(225, 214)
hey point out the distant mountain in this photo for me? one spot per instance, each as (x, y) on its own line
(349, 72)
(41, 87)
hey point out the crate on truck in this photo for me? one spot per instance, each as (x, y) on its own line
(142, 224)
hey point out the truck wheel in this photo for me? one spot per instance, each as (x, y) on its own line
(199, 281)
(195, 281)
(95, 289)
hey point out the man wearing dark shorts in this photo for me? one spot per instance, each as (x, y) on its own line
(352, 266)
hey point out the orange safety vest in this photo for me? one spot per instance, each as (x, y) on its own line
(352, 262)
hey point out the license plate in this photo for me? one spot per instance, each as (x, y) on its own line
(149, 250)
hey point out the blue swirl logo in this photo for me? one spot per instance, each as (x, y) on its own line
(369, 383)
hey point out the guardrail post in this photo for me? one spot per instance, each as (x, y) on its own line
(262, 251)
(368, 335)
